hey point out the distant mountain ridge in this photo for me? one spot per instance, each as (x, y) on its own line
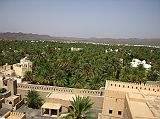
(30, 36)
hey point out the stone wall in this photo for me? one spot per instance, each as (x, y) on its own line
(4, 105)
(45, 88)
(19, 104)
(128, 114)
(96, 96)
(1, 101)
(113, 103)
(19, 115)
(5, 95)
(147, 87)
(18, 70)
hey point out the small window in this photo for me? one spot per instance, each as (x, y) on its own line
(128, 86)
(111, 84)
(110, 111)
(119, 112)
(119, 85)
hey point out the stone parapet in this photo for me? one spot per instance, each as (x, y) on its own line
(46, 88)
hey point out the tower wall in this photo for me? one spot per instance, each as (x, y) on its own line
(12, 86)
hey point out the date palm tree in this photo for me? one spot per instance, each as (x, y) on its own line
(33, 99)
(28, 76)
(80, 109)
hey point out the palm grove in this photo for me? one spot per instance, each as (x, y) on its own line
(55, 64)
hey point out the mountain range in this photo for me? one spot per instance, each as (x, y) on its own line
(30, 36)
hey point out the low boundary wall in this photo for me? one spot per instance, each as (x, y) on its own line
(45, 88)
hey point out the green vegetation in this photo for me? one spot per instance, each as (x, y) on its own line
(55, 64)
(80, 109)
(33, 99)
(3, 90)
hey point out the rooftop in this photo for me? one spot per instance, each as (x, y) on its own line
(62, 96)
(51, 105)
(12, 97)
(140, 110)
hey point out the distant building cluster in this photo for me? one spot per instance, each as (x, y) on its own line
(111, 50)
(16, 70)
(11, 99)
(137, 62)
(76, 49)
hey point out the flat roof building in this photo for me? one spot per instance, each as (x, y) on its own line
(130, 101)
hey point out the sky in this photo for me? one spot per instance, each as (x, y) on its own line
(82, 18)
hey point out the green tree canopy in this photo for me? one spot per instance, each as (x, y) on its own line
(80, 109)
(33, 99)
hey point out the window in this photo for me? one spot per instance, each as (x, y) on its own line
(116, 99)
(119, 112)
(110, 111)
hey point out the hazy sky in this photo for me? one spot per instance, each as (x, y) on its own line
(82, 18)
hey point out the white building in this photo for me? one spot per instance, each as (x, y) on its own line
(76, 49)
(136, 62)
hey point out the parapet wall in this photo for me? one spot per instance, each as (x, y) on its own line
(1, 101)
(133, 86)
(115, 94)
(46, 88)
(128, 112)
(15, 114)
(5, 95)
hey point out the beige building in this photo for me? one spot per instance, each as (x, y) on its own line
(22, 67)
(17, 69)
(130, 101)
(51, 109)
(14, 115)
(10, 99)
